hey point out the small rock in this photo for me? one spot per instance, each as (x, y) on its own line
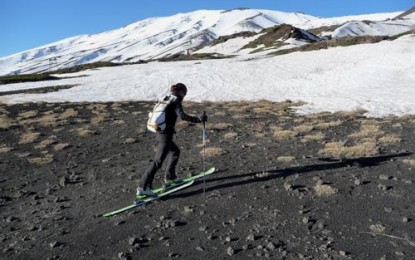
(377, 228)
(63, 181)
(188, 209)
(203, 228)
(357, 182)
(230, 251)
(11, 219)
(343, 253)
(288, 186)
(251, 237)
(133, 240)
(305, 220)
(406, 219)
(200, 249)
(228, 239)
(384, 187)
(271, 246)
(55, 244)
(124, 256)
(384, 177)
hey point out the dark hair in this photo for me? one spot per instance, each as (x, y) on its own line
(179, 87)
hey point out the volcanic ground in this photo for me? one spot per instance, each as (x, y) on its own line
(287, 186)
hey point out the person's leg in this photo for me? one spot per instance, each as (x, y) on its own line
(163, 147)
(172, 162)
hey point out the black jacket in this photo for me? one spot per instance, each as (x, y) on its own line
(173, 111)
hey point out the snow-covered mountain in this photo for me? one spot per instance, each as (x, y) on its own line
(156, 38)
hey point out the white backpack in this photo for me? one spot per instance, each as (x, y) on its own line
(157, 118)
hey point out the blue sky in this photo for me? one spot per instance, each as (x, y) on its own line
(26, 24)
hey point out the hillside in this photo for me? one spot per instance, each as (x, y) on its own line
(162, 37)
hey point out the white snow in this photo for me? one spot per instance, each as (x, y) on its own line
(375, 77)
(162, 36)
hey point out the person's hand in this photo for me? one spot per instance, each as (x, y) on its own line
(203, 117)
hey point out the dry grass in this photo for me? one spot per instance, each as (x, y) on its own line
(39, 161)
(6, 123)
(212, 152)
(22, 155)
(119, 122)
(218, 126)
(313, 137)
(61, 146)
(116, 106)
(45, 143)
(230, 136)
(339, 150)
(28, 114)
(302, 129)
(368, 131)
(99, 118)
(130, 141)
(219, 113)
(389, 139)
(284, 134)
(327, 125)
(285, 159)
(85, 132)
(97, 107)
(410, 162)
(68, 113)
(29, 137)
(48, 120)
(5, 149)
(324, 190)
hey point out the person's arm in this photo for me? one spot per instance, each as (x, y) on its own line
(183, 116)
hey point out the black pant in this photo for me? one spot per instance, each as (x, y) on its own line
(165, 147)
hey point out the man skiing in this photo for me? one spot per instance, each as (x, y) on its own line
(165, 145)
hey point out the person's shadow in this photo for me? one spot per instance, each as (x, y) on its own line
(264, 176)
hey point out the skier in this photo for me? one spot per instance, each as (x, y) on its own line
(165, 145)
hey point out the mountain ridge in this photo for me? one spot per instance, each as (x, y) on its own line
(151, 38)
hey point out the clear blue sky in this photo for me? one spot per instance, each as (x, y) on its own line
(26, 24)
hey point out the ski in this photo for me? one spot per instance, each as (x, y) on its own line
(161, 192)
(149, 199)
(188, 179)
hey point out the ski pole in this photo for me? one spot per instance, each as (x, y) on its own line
(203, 156)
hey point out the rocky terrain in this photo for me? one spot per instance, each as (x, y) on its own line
(322, 186)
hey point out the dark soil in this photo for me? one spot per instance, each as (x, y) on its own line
(37, 90)
(257, 204)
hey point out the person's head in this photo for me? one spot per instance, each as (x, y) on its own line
(179, 90)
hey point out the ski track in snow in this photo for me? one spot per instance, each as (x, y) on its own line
(375, 77)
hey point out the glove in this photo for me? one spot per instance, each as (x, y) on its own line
(203, 117)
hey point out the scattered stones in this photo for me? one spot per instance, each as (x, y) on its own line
(230, 251)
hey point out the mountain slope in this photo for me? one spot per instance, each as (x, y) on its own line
(148, 39)
(161, 37)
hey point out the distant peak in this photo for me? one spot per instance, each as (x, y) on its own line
(236, 9)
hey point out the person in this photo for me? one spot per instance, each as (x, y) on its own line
(165, 144)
